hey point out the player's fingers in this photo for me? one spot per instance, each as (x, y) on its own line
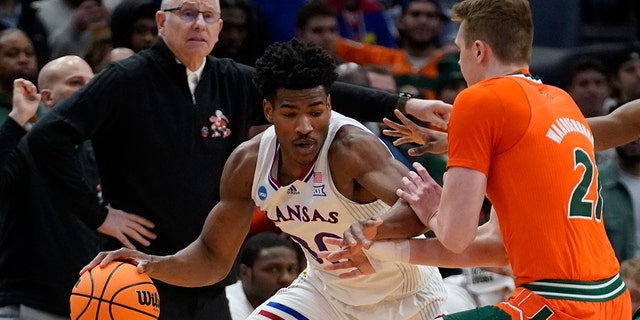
(406, 122)
(422, 171)
(392, 133)
(392, 124)
(403, 140)
(405, 196)
(356, 237)
(418, 151)
(333, 241)
(410, 186)
(96, 261)
(351, 274)
(415, 178)
(338, 265)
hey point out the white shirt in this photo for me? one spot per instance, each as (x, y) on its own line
(239, 305)
(193, 77)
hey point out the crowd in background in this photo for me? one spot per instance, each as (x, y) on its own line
(401, 46)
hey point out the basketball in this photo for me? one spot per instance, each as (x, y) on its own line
(116, 292)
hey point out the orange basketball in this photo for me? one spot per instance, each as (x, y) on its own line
(116, 292)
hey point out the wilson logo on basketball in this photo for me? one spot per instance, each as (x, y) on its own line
(147, 298)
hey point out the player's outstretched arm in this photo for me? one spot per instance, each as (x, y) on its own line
(486, 250)
(209, 258)
(409, 132)
(435, 112)
(617, 128)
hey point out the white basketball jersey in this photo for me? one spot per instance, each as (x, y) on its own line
(312, 209)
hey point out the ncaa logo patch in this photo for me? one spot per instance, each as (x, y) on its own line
(262, 193)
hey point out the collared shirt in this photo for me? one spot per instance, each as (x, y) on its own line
(193, 77)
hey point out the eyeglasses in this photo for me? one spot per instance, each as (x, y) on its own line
(191, 14)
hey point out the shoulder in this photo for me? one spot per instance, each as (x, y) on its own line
(243, 159)
(352, 142)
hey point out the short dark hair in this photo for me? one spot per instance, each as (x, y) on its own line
(251, 248)
(630, 51)
(585, 63)
(312, 9)
(406, 3)
(293, 65)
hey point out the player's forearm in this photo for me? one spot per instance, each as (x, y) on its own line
(193, 266)
(400, 222)
(617, 128)
(483, 252)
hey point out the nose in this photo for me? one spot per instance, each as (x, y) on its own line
(200, 19)
(304, 125)
(24, 57)
(287, 277)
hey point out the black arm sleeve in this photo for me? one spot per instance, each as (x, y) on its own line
(12, 164)
(362, 103)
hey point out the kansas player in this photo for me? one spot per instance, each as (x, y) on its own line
(315, 172)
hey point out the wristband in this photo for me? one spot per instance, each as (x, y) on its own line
(390, 251)
(402, 101)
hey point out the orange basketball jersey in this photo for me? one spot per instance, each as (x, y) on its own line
(536, 149)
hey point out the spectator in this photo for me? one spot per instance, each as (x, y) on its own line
(414, 64)
(620, 181)
(589, 87)
(626, 73)
(41, 248)
(630, 272)
(363, 21)
(279, 12)
(163, 124)
(316, 22)
(267, 263)
(450, 81)
(20, 14)
(133, 24)
(244, 36)
(72, 25)
(17, 60)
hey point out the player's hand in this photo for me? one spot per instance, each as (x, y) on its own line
(422, 193)
(349, 257)
(361, 233)
(409, 132)
(26, 100)
(137, 258)
(435, 112)
(124, 226)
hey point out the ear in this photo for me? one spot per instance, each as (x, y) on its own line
(244, 272)
(268, 110)
(47, 99)
(329, 101)
(482, 50)
(220, 24)
(161, 18)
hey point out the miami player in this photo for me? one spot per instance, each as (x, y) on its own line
(526, 146)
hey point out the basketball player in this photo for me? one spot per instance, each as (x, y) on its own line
(528, 148)
(314, 172)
